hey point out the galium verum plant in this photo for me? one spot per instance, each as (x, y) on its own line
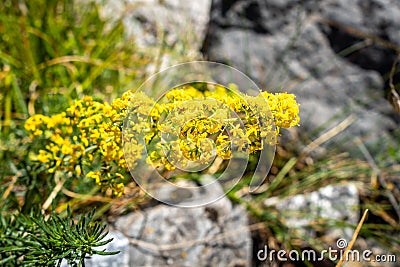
(87, 138)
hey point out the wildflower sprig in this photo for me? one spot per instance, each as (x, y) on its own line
(85, 140)
(187, 127)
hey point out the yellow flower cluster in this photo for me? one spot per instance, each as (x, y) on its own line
(84, 140)
(189, 126)
(186, 126)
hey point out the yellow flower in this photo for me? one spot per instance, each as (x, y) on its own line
(94, 175)
(284, 108)
(44, 156)
(91, 131)
(66, 149)
(78, 170)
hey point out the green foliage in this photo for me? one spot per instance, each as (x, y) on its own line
(52, 51)
(61, 48)
(393, 150)
(35, 241)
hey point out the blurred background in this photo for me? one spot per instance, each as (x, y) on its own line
(340, 58)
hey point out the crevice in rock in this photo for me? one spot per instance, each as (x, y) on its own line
(371, 56)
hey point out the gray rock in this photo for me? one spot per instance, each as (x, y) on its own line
(332, 203)
(176, 28)
(149, 21)
(286, 45)
(374, 17)
(213, 235)
(185, 193)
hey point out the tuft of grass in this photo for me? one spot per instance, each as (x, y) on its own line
(54, 51)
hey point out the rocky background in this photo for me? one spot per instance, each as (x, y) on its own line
(335, 55)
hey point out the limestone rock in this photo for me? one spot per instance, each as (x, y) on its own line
(149, 21)
(332, 203)
(212, 235)
(298, 46)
